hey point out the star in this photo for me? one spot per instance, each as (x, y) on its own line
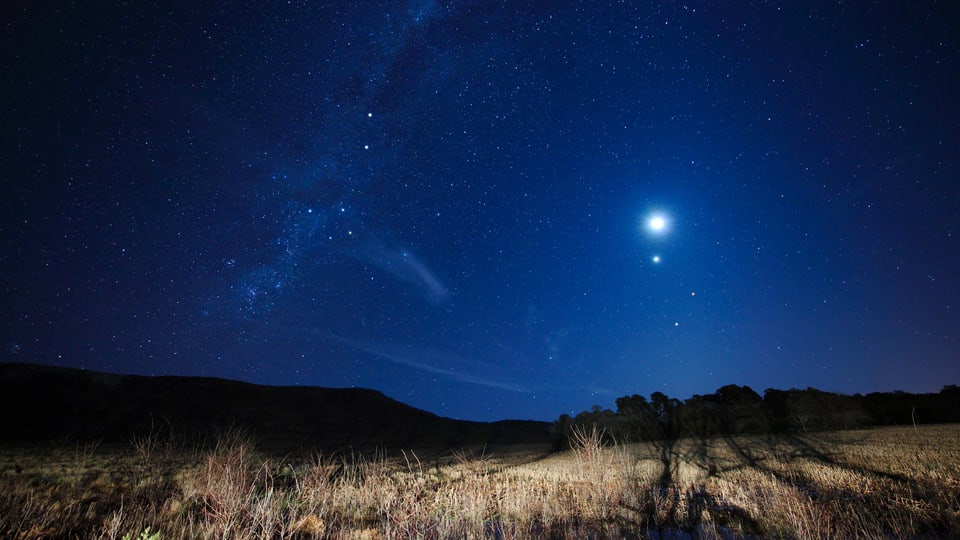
(657, 223)
(656, 259)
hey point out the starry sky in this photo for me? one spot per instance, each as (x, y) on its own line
(485, 209)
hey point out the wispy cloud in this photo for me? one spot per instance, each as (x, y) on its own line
(432, 361)
(404, 266)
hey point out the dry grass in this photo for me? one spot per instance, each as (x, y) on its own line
(900, 483)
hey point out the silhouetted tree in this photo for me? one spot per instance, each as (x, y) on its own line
(738, 409)
(698, 417)
(560, 431)
(638, 418)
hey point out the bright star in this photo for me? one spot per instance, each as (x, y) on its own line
(657, 223)
(656, 259)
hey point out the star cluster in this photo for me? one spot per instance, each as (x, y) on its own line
(486, 210)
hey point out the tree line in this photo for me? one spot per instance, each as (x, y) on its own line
(736, 409)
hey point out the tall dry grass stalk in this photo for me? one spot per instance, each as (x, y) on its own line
(604, 473)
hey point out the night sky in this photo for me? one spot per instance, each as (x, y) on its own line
(485, 209)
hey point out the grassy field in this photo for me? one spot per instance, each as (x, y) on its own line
(891, 482)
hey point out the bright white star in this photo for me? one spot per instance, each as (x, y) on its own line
(656, 259)
(657, 223)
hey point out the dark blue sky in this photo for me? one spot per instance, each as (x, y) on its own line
(448, 201)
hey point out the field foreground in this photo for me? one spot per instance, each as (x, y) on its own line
(890, 482)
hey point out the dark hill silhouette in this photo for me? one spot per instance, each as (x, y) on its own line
(44, 403)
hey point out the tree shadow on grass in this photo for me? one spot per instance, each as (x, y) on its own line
(801, 465)
(702, 510)
(899, 497)
(804, 448)
(722, 514)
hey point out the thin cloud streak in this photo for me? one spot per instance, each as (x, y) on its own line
(414, 358)
(405, 266)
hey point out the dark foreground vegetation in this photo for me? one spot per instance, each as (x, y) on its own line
(739, 410)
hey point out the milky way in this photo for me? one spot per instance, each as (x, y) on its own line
(486, 210)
